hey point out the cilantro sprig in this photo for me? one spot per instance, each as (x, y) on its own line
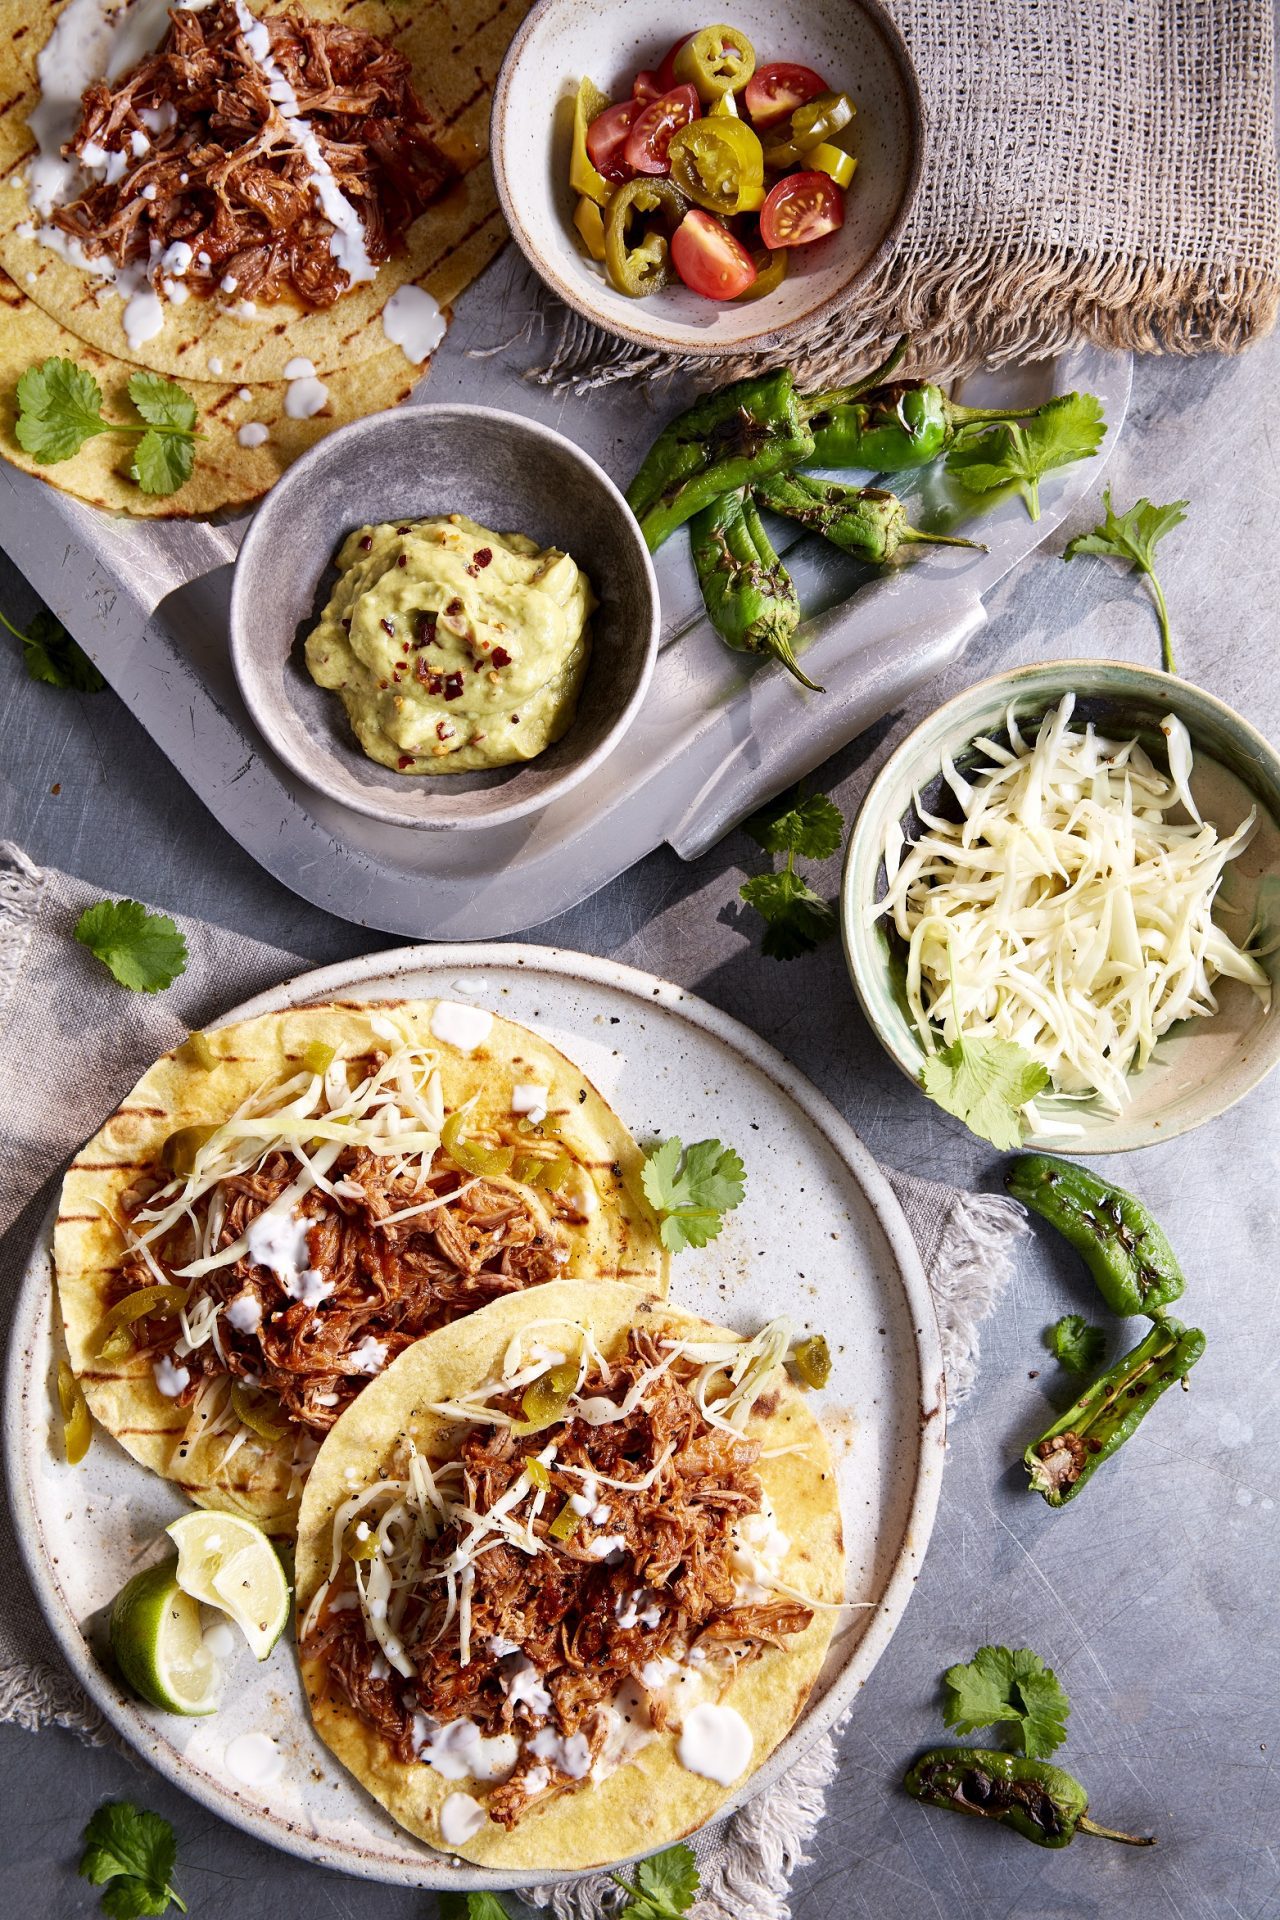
(52, 656)
(666, 1886)
(130, 1853)
(60, 407)
(1074, 1344)
(1134, 537)
(691, 1190)
(144, 951)
(797, 919)
(1019, 453)
(1001, 1685)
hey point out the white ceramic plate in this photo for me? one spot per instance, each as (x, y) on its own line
(819, 1235)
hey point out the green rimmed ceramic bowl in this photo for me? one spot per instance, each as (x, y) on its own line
(1201, 1067)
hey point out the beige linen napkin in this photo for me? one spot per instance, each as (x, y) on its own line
(72, 1043)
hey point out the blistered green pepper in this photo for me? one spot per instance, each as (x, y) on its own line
(865, 521)
(1121, 1243)
(1042, 1803)
(750, 597)
(1109, 1412)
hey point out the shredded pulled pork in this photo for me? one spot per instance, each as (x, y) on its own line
(392, 1281)
(227, 175)
(563, 1608)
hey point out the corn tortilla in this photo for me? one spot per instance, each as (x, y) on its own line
(651, 1800)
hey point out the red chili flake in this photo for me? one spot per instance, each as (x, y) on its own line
(346, 626)
(431, 680)
(405, 760)
(453, 686)
(515, 719)
(479, 560)
(427, 629)
(453, 609)
(389, 628)
(444, 731)
(366, 543)
(404, 529)
(402, 560)
(500, 657)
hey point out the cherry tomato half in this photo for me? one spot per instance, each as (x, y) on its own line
(800, 209)
(667, 71)
(647, 86)
(607, 139)
(650, 135)
(708, 258)
(774, 91)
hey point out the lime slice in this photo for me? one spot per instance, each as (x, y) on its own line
(226, 1562)
(158, 1644)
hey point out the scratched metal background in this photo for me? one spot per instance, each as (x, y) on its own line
(1155, 1598)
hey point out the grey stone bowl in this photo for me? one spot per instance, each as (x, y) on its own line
(505, 472)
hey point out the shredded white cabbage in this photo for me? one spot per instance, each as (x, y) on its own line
(1071, 904)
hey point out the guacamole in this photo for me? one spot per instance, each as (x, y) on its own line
(452, 647)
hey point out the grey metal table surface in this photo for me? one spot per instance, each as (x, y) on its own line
(1154, 1598)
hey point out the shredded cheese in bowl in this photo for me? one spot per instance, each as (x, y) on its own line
(1070, 908)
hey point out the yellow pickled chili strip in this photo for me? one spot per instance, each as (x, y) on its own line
(252, 1413)
(716, 61)
(470, 1155)
(771, 271)
(138, 1305)
(539, 1475)
(812, 1360)
(181, 1147)
(566, 1522)
(589, 221)
(533, 1170)
(825, 158)
(77, 1427)
(545, 1399)
(721, 167)
(318, 1058)
(197, 1046)
(583, 178)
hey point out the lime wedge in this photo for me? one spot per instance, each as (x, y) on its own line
(158, 1644)
(226, 1562)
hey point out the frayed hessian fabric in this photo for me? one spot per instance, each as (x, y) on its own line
(70, 1027)
(1092, 172)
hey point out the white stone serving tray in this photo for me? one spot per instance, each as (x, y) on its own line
(717, 735)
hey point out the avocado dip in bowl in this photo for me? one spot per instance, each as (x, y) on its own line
(443, 616)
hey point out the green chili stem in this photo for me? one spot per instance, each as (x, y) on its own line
(841, 396)
(914, 536)
(1086, 1825)
(777, 641)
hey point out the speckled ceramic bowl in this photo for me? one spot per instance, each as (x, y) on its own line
(1202, 1066)
(852, 43)
(501, 470)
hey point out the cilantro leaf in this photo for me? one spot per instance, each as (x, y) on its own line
(1019, 454)
(472, 1906)
(813, 827)
(1134, 536)
(145, 951)
(984, 1083)
(130, 1852)
(798, 918)
(162, 403)
(666, 1886)
(59, 408)
(1074, 1344)
(691, 1191)
(1015, 1686)
(163, 461)
(51, 655)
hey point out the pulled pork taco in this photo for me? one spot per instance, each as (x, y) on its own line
(566, 1574)
(280, 1208)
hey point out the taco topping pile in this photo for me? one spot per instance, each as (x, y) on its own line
(589, 1564)
(253, 157)
(277, 1260)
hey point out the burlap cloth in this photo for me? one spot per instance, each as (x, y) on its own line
(71, 1045)
(1094, 169)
